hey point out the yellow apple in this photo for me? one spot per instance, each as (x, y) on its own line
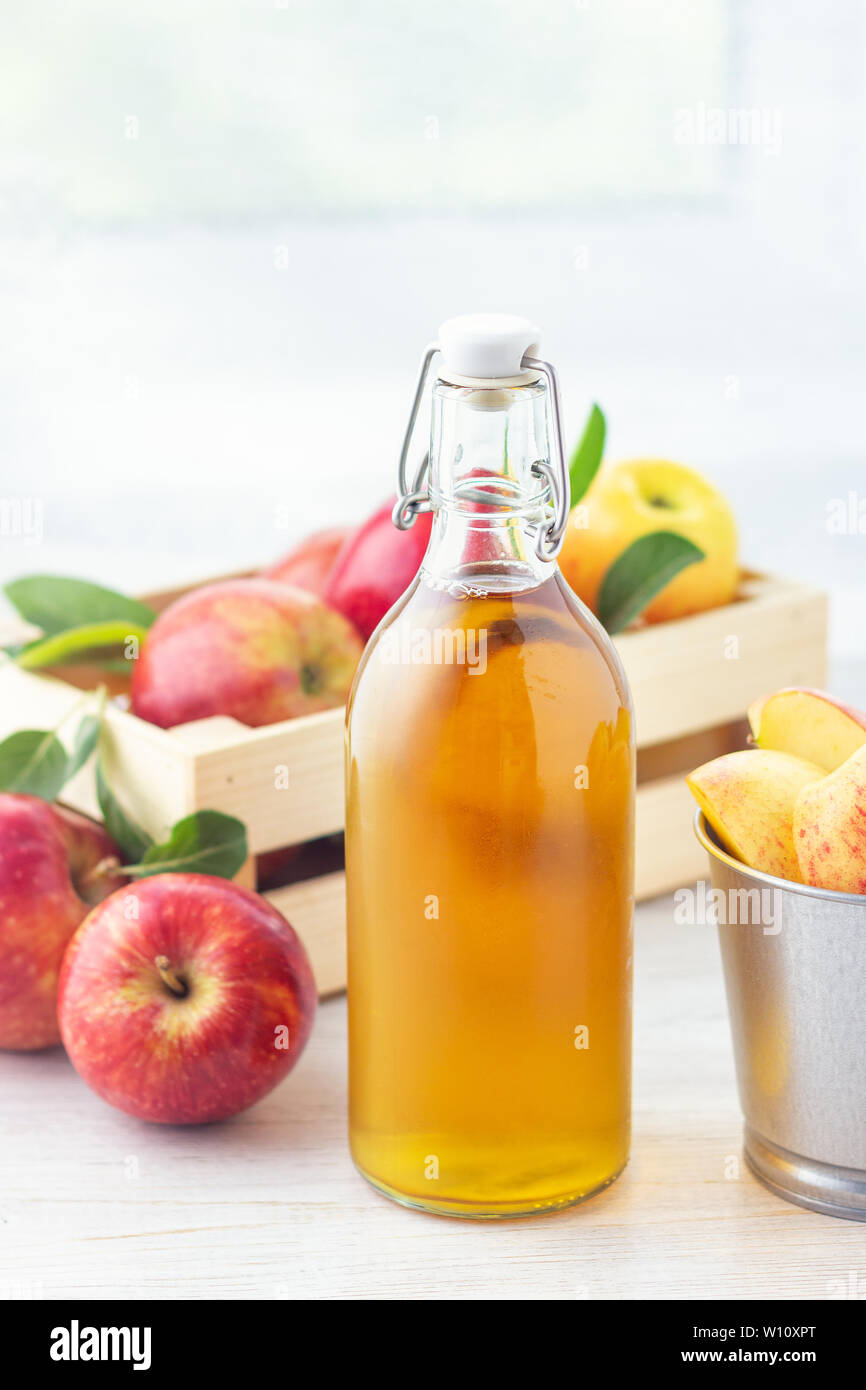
(809, 724)
(748, 797)
(629, 500)
(830, 828)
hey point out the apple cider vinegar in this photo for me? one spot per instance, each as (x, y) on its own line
(490, 786)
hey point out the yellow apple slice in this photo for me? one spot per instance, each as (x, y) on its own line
(748, 798)
(810, 724)
(830, 828)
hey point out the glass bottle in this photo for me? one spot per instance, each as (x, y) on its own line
(489, 826)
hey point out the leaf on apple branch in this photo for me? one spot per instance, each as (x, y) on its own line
(33, 761)
(76, 617)
(56, 603)
(640, 573)
(207, 842)
(124, 831)
(587, 456)
(85, 741)
(77, 642)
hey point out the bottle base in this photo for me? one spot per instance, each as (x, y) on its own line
(493, 1211)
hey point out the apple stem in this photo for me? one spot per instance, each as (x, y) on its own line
(109, 865)
(169, 978)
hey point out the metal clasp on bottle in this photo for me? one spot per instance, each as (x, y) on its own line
(416, 498)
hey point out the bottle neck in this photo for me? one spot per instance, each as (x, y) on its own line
(487, 501)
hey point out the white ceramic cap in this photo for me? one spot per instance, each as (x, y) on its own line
(487, 347)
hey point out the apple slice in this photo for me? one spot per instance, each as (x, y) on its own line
(830, 828)
(748, 798)
(810, 724)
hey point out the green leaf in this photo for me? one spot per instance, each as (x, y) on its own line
(86, 739)
(207, 842)
(33, 761)
(640, 573)
(74, 641)
(587, 456)
(127, 835)
(56, 602)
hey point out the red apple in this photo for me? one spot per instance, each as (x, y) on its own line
(50, 875)
(310, 563)
(250, 648)
(184, 999)
(375, 566)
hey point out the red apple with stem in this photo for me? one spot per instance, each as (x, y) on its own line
(185, 998)
(54, 865)
(254, 649)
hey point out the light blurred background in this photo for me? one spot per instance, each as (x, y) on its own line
(228, 228)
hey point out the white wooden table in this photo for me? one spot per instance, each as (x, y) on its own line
(94, 1204)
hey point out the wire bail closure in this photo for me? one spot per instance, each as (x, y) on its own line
(416, 498)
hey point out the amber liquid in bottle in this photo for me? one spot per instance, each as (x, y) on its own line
(490, 789)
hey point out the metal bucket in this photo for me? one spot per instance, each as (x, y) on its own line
(794, 959)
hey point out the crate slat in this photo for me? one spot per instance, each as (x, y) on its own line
(685, 677)
(285, 781)
(667, 854)
(317, 911)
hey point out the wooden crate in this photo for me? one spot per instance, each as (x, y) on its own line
(691, 680)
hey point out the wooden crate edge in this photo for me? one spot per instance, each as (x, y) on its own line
(317, 911)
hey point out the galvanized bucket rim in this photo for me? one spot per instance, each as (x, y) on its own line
(806, 890)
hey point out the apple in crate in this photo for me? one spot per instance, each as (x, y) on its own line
(254, 649)
(632, 499)
(54, 865)
(185, 998)
(309, 564)
(375, 567)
